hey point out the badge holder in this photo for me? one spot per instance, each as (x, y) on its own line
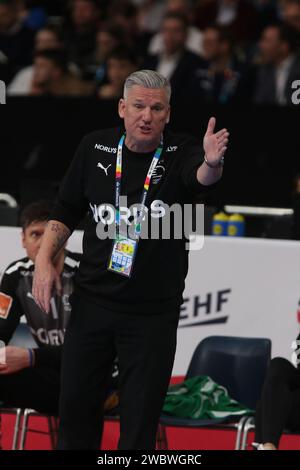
(123, 255)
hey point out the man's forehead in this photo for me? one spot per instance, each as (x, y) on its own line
(37, 225)
(139, 93)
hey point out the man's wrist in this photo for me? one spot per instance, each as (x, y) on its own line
(42, 259)
(220, 164)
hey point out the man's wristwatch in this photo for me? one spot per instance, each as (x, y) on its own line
(219, 165)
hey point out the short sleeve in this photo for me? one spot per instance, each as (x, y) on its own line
(71, 205)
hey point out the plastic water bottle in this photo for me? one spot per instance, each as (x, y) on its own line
(236, 226)
(220, 224)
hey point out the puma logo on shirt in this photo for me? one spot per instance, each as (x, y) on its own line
(103, 168)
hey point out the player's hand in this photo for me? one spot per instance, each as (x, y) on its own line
(44, 280)
(16, 360)
(215, 144)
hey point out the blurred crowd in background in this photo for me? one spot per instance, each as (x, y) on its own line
(218, 51)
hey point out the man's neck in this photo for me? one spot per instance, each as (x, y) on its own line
(172, 54)
(141, 147)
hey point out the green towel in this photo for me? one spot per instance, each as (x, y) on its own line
(201, 398)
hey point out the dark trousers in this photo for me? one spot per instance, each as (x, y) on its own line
(279, 407)
(36, 388)
(145, 346)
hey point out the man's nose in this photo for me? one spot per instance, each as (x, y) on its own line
(147, 115)
(39, 242)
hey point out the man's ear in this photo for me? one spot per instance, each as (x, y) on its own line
(121, 107)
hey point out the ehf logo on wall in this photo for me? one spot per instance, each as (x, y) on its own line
(208, 309)
(2, 92)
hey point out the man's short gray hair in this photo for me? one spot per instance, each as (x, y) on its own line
(147, 79)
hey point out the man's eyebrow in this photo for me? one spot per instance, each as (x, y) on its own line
(158, 103)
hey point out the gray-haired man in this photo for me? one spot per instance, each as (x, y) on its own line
(128, 290)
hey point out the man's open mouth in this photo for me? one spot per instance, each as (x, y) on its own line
(145, 129)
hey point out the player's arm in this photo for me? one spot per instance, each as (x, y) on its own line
(21, 358)
(70, 208)
(45, 274)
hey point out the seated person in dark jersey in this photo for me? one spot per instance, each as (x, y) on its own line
(279, 406)
(30, 378)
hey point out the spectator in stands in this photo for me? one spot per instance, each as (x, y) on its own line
(50, 37)
(240, 16)
(279, 47)
(150, 15)
(31, 378)
(194, 36)
(175, 62)
(139, 20)
(124, 14)
(291, 13)
(81, 31)
(224, 79)
(51, 76)
(16, 41)
(109, 37)
(121, 62)
(279, 406)
(32, 13)
(268, 12)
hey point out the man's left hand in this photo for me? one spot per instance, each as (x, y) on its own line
(16, 360)
(215, 144)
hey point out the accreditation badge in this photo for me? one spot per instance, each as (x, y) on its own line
(122, 256)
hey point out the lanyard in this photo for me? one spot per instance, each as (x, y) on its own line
(153, 164)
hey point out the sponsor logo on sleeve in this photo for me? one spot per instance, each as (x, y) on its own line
(5, 305)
